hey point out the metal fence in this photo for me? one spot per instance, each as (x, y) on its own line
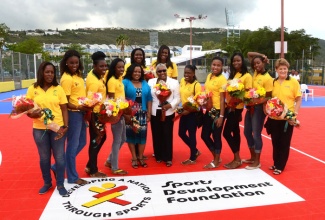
(15, 66)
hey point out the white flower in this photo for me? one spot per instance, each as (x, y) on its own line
(157, 92)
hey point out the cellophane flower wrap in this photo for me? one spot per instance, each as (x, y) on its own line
(235, 92)
(202, 99)
(162, 92)
(276, 109)
(191, 106)
(91, 100)
(254, 96)
(149, 74)
(21, 105)
(135, 124)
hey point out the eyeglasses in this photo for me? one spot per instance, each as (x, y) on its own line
(160, 71)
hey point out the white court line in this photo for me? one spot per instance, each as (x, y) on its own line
(299, 151)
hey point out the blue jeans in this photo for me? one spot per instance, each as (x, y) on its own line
(76, 141)
(187, 123)
(46, 145)
(119, 137)
(253, 127)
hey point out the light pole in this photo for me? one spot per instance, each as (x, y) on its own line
(191, 18)
(282, 29)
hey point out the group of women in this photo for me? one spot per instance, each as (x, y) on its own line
(127, 81)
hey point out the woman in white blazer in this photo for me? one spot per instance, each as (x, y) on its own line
(162, 131)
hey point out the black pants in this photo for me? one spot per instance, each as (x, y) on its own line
(162, 136)
(231, 131)
(215, 144)
(94, 147)
(187, 123)
(281, 140)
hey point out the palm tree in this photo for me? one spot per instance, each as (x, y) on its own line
(122, 40)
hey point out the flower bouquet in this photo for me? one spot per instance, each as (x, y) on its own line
(162, 92)
(254, 96)
(190, 106)
(91, 100)
(235, 92)
(135, 124)
(276, 109)
(21, 105)
(110, 110)
(202, 99)
(149, 74)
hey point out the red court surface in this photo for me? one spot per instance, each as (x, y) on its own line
(20, 176)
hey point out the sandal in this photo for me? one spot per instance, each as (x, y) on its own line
(277, 172)
(198, 153)
(119, 172)
(142, 163)
(87, 170)
(188, 162)
(108, 164)
(134, 163)
(81, 182)
(169, 164)
(211, 166)
(272, 168)
(250, 161)
(98, 175)
(233, 165)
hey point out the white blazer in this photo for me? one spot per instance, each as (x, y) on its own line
(174, 99)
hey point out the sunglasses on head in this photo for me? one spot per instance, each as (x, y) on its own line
(160, 71)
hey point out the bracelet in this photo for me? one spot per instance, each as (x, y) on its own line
(221, 116)
(64, 126)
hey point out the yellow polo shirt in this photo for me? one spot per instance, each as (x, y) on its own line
(263, 80)
(247, 80)
(52, 98)
(171, 72)
(187, 89)
(73, 86)
(287, 92)
(116, 86)
(214, 84)
(127, 65)
(93, 84)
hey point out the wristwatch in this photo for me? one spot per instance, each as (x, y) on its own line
(64, 126)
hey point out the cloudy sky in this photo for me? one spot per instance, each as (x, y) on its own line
(159, 14)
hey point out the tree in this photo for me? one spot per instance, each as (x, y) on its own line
(122, 40)
(3, 35)
(29, 46)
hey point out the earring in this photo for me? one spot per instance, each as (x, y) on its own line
(66, 64)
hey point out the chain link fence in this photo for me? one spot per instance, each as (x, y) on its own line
(18, 67)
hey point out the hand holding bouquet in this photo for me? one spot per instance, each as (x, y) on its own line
(190, 106)
(202, 99)
(162, 92)
(276, 109)
(21, 105)
(235, 92)
(254, 96)
(91, 100)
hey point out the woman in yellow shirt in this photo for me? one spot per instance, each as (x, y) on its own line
(213, 126)
(115, 89)
(74, 87)
(231, 131)
(255, 116)
(287, 89)
(189, 86)
(47, 93)
(163, 57)
(95, 83)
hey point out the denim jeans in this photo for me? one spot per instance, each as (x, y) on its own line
(254, 122)
(46, 145)
(76, 141)
(119, 137)
(187, 123)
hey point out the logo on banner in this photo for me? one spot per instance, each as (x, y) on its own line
(119, 196)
